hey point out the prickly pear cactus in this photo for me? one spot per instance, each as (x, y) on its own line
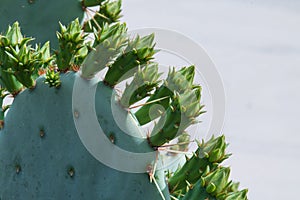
(41, 153)
(39, 18)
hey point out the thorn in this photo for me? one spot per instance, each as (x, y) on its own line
(42, 133)
(159, 190)
(189, 185)
(176, 151)
(1, 124)
(71, 172)
(150, 102)
(90, 16)
(181, 143)
(112, 138)
(18, 169)
(76, 114)
(174, 198)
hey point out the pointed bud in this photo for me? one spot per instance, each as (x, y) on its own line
(14, 34)
(144, 81)
(71, 42)
(109, 42)
(239, 195)
(211, 187)
(138, 52)
(218, 178)
(233, 186)
(214, 149)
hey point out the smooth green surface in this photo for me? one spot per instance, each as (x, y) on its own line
(44, 162)
(39, 18)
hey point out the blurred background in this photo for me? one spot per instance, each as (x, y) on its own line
(255, 46)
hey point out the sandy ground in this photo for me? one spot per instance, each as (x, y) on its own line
(255, 46)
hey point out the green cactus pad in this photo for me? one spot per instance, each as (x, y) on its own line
(42, 151)
(39, 18)
(45, 159)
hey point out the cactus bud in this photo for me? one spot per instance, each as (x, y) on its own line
(71, 43)
(109, 12)
(14, 34)
(125, 65)
(108, 43)
(214, 149)
(177, 81)
(216, 181)
(144, 81)
(239, 195)
(52, 78)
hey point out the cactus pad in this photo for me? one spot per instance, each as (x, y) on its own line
(42, 152)
(39, 18)
(45, 159)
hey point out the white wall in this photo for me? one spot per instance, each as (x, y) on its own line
(256, 47)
